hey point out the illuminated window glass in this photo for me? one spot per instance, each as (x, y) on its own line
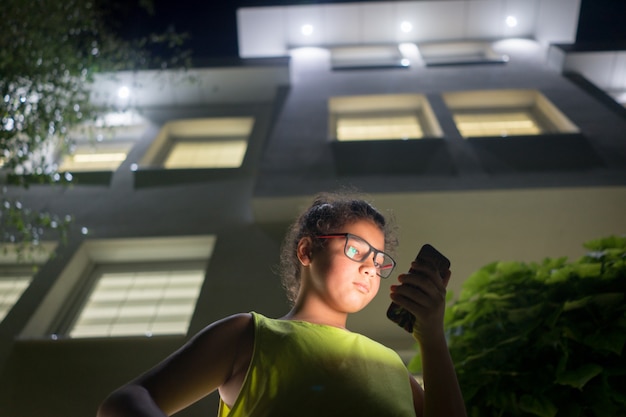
(214, 154)
(382, 117)
(140, 302)
(104, 144)
(18, 266)
(511, 123)
(101, 158)
(12, 285)
(378, 127)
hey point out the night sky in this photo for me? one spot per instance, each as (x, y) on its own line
(212, 24)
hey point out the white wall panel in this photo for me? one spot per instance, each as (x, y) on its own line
(484, 19)
(557, 21)
(270, 31)
(342, 24)
(261, 32)
(440, 20)
(379, 22)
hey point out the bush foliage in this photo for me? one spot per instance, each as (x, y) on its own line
(544, 339)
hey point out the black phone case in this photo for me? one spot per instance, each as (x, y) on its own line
(427, 254)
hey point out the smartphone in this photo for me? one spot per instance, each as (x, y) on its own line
(426, 255)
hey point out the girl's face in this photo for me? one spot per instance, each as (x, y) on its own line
(343, 284)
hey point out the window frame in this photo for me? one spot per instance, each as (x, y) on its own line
(549, 118)
(198, 130)
(383, 105)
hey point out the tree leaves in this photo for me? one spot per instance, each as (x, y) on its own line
(577, 378)
(538, 406)
(50, 51)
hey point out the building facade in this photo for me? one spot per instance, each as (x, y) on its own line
(489, 141)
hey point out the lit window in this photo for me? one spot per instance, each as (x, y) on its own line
(17, 270)
(214, 154)
(12, 285)
(382, 117)
(513, 123)
(102, 146)
(378, 127)
(505, 113)
(102, 158)
(201, 143)
(126, 287)
(140, 302)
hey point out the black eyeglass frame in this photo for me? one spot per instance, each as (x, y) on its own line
(372, 249)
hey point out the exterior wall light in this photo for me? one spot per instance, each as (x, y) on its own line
(123, 92)
(307, 30)
(511, 21)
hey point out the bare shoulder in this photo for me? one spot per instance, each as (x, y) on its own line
(228, 329)
(222, 343)
(229, 341)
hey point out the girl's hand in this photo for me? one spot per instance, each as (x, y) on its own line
(422, 292)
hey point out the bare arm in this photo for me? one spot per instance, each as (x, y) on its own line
(423, 294)
(418, 396)
(205, 363)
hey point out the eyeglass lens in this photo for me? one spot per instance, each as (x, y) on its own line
(358, 250)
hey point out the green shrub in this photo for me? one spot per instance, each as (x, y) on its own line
(544, 339)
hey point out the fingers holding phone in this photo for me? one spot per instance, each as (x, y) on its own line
(421, 293)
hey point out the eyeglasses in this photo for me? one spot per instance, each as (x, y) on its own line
(358, 250)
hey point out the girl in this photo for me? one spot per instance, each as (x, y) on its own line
(307, 363)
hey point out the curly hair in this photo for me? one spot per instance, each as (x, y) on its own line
(328, 213)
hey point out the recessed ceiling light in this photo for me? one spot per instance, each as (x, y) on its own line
(123, 92)
(307, 30)
(406, 27)
(511, 21)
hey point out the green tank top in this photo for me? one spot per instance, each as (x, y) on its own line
(300, 369)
